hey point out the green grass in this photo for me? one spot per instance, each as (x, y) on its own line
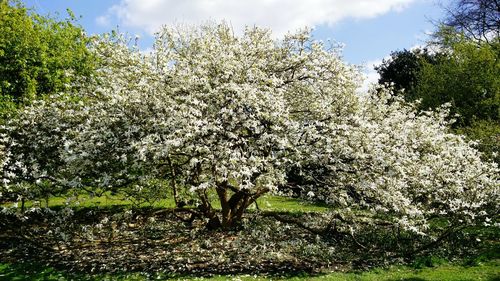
(277, 203)
(446, 272)
(105, 200)
(265, 203)
(489, 271)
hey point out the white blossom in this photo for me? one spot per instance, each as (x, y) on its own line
(213, 111)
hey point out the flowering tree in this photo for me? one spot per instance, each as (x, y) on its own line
(227, 116)
(242, 102)
(207, 109)
(32, 148)
(391, 164)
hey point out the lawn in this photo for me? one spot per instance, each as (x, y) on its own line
(264, 203)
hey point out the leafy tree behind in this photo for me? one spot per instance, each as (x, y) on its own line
(478, 20)
(465, 71)
(38, 55)
(468, 78)
(403, 67)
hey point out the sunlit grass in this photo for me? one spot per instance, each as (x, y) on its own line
(285, 204)
(265, 203)
(105, 200)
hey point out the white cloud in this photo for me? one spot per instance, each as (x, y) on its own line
(103, 20)
(279, 15)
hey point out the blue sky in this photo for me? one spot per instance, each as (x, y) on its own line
(369, 29)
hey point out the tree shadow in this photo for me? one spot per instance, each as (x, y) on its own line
(169, 245)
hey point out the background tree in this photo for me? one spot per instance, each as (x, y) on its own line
(38, 55)
(402, 69)
(464, 71)
(478, 20)
(468, 78)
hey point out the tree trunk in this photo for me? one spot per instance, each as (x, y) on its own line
(224, 203)
(234, 207)
(173, 183)
(22, 204)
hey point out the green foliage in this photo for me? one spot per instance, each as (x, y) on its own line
(465, 74)
(488, 132)
(402, 69)
(38, 55)
(468, 78)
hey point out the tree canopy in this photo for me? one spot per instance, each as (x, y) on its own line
(402, 69)
(39, 55)
(226, 117)
(479, 20)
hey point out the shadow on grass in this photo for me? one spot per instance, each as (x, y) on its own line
(115, 243)
(37, 272)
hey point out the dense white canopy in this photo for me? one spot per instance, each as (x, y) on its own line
(215, 112)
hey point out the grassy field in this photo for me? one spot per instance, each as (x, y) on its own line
(489, 271)
(265, 203)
